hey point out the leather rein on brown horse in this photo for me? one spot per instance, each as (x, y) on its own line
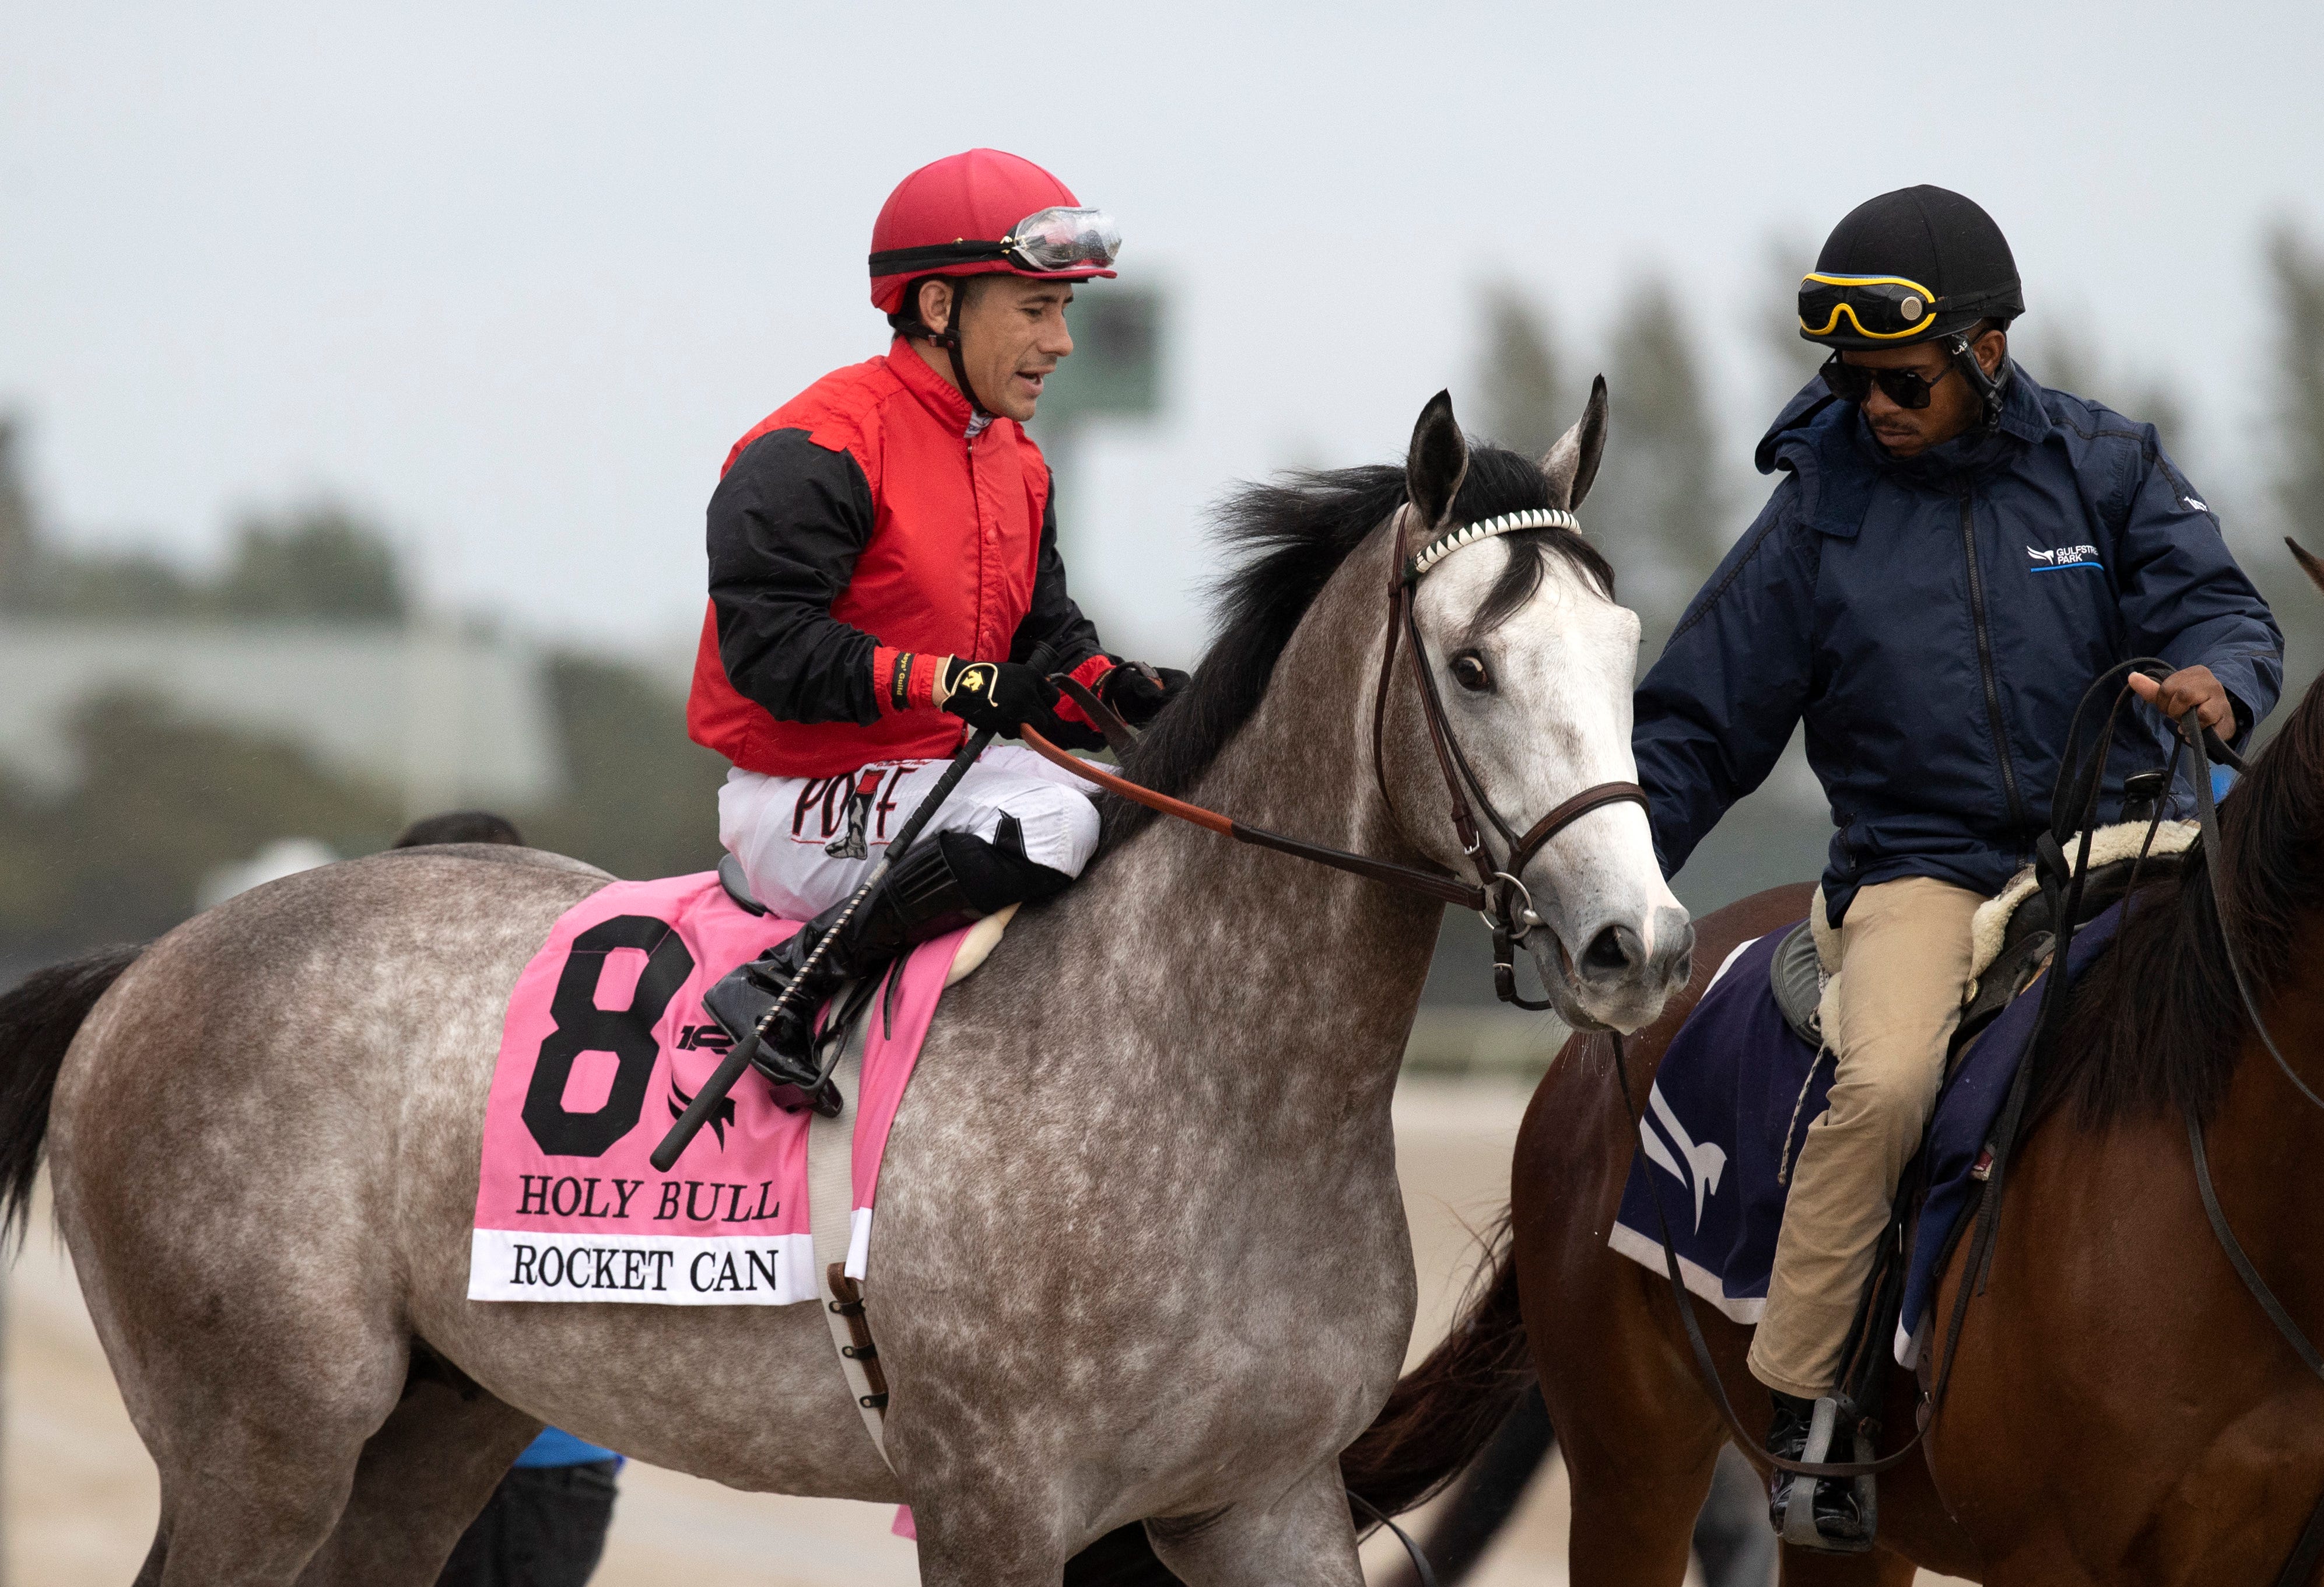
(1496, 894)
(2201, 744)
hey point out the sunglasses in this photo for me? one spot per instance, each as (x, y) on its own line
(1852, 383)
(1884, 308)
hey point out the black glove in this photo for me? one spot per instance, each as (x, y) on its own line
(1006, 697)
(1138, 692)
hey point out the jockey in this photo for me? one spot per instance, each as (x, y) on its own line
(1954, 552)
(883, 560)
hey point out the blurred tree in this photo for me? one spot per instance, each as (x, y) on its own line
(1658, 496)
(319, 562)
(2296, 271)
(1790, 360)
(165, 799)
(1526, 403)
(2061, 353)
(642, 798)
(160, 801)
(19, 536)
(116, 584)
(315, 562)
(38, 579)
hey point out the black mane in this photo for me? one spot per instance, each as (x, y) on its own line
(1287, 537)
(2156, 1023)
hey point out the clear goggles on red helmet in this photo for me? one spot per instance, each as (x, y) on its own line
(1048, 242)
(1058, 238)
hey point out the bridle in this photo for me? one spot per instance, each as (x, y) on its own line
(1497, 894)
(1507, 906)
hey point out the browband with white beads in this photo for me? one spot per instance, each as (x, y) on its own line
(1436, 550)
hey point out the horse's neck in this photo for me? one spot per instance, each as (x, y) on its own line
(1308, 976)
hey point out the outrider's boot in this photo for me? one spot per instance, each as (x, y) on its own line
(1839, 1520)
(938, 885)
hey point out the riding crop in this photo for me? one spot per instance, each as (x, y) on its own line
(730, 1069)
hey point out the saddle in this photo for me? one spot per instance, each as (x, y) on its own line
(2011, 936)
(737, 885)
(982, 939)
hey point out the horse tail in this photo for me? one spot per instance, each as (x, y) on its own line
(1445, 1410)
(38, 1017)
(1482, 1501)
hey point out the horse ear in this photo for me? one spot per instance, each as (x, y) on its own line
(1572, 465)
(1438, 463)
(2308, 564)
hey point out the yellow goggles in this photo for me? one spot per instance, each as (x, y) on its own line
(1883, 308)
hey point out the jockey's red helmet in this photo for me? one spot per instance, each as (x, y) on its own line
(984, 213)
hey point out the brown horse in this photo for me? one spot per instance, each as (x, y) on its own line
(2120, 1411)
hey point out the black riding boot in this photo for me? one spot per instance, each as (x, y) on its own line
(938, 885)
(1837, 1518)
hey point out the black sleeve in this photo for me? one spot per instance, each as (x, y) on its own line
(786, 526)
(1054, 620)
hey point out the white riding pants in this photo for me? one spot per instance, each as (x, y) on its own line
(779, 827)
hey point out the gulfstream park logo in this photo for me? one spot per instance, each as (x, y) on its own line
(1704, 1163)
(2064, 557)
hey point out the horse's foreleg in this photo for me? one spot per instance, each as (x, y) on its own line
(424, 1477)
(1639, 1438)
(989, 1536)
(1634, 1517)
(1302, 1539)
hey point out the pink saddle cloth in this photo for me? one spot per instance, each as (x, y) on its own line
(604, 1043)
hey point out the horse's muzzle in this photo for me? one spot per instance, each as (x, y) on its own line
(1622, 978)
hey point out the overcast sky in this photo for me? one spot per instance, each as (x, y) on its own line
(512, 278)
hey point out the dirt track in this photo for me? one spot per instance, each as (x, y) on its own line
(79, 1493)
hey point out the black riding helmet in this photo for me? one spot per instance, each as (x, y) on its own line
(1919, 264)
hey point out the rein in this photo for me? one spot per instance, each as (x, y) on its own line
(2309, 1548)
(1496, 894)
(2064, 886)
(1510, 917)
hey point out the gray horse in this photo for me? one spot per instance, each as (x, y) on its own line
(1140, 1252)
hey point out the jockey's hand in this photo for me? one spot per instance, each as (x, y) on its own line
(2191, 688)
(1006, 697)
(1138, 692)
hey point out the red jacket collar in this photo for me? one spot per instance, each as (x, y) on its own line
(935, 392)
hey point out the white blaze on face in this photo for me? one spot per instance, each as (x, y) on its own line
(1556, 720)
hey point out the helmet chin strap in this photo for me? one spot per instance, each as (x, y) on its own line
(1988, 390)
(948, 339)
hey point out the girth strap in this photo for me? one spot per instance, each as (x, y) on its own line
(830, 1210)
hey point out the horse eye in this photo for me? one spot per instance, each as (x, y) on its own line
(1469, 672)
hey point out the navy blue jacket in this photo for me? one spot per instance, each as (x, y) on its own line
(1934, 621)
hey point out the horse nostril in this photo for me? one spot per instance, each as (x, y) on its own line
(1614, 951)
(1681, 949)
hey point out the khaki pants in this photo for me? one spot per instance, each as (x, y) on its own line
(1904, 952)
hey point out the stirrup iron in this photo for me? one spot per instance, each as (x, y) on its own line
(1833, 1417)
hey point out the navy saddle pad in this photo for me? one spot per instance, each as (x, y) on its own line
(1723, 1120)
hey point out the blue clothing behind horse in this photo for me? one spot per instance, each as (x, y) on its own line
(1934, 621)
(557, 1447)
